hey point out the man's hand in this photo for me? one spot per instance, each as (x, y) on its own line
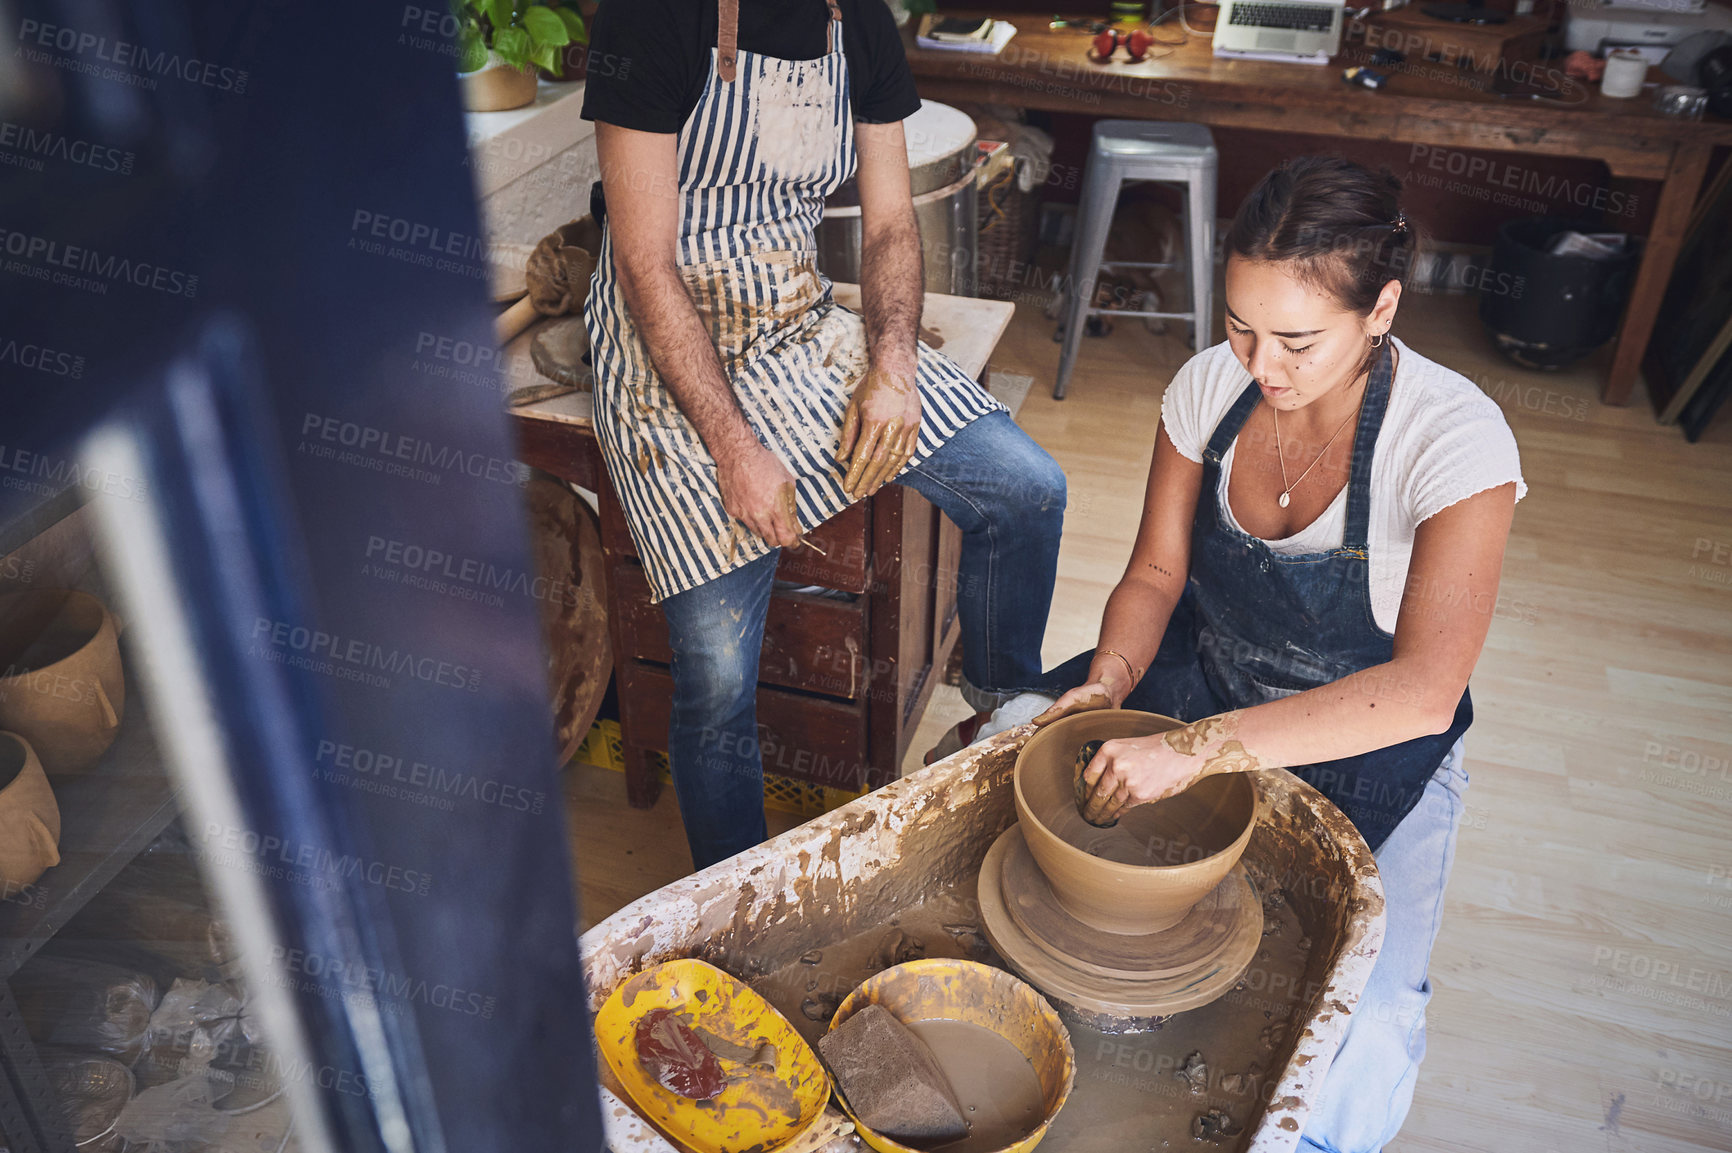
(880, 429)
(758, 490)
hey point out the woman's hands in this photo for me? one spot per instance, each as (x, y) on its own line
(1108, 685)
(1131, 772)
(1135, 771)
(1081, 699)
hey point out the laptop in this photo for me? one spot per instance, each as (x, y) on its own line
(1307, 31)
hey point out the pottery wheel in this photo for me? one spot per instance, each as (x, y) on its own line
(1134, 1004)
(1202, 936)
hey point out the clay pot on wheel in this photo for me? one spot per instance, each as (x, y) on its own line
(29, 817)
(1144, 874)
(61, 685)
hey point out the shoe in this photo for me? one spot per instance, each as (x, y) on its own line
(960, 736)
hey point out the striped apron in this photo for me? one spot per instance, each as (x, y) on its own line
(768, 141)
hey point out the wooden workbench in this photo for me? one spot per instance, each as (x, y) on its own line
(1049, 69)
(843, 681)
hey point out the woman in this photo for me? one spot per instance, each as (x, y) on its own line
(1313, 579)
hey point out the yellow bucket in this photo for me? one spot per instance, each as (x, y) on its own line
(760, 1109)
(943, 989)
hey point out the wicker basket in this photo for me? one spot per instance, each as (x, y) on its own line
(1009, 218)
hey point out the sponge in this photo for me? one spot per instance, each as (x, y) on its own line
(891, 1079)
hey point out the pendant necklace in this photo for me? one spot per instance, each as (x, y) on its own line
(1281, 457)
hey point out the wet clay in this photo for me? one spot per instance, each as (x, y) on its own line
(996, 1086)
(676, 1058)
(808, 992)
(1127, 1095)
(893, 1080)
(1201, 936)
(1126, 1000)
(1133, 1091)
(1147, 871)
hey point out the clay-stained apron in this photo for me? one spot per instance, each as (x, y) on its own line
(757, 157)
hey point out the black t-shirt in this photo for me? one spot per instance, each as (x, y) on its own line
(650, 59)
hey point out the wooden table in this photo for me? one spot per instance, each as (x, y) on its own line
(842, 680)
(1048, 69)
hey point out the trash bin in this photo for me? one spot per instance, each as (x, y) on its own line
(941, 158)
(1546, 311)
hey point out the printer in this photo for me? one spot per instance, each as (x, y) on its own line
(1656, 25)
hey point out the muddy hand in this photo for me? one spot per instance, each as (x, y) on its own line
(1081, 787)
(1129, 772)
(880, 430)
(1081, 699)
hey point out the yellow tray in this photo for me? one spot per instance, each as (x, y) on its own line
(759, 1109)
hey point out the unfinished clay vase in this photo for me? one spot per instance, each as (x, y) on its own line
(1147, 871)
(29, 817)
(61, 686)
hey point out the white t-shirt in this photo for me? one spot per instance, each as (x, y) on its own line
(1442, 441)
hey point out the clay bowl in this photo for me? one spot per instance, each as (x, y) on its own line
(1147, 872)
(29, 818)
(61, 686)
(939, 988)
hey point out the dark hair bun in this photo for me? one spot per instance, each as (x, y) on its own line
(1338, 221)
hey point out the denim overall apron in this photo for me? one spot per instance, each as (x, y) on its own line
(768, 140)
(1254, 626)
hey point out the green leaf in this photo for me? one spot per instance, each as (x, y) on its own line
(573, 24)
(471, 49)
(546, 29)
(547, 57)
(513, 46)
(501, 13)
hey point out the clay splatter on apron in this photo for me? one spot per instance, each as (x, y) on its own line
(757, 158)
(788, 120)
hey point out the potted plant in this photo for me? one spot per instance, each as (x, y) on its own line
(501, 43)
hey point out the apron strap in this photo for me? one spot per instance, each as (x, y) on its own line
(1371, 412)
(728, 37)
(1232, 423)
(835, 19)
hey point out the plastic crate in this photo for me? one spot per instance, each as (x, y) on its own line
(602, 749)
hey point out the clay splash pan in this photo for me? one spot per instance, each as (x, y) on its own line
(1147, 872)
(774, 1086)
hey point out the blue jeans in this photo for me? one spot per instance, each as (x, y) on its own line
(1365, 1096)
(1006, 495)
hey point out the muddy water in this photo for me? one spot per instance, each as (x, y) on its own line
(1176, 831)
(808, 991)
(1132, 1092)
(996, 1086)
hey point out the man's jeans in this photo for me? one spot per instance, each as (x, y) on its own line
(1005, 494)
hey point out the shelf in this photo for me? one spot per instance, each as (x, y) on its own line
(22, 520)
(107, 816)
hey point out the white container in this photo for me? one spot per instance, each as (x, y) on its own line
(1625, 71)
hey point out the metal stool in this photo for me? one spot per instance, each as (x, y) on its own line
(1132, 150)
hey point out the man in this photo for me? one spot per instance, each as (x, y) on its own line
(736, 404)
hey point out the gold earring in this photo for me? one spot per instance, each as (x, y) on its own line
(1377, 340)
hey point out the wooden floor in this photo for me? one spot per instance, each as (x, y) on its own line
(1584, 973)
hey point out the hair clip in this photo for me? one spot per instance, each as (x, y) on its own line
(1399, 224)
